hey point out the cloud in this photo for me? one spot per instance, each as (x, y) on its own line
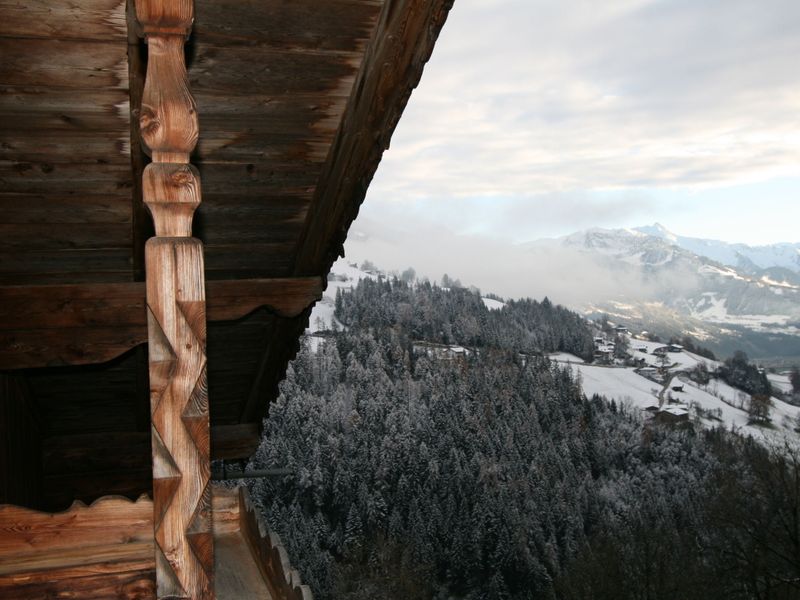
(562, 273)
(533, 99)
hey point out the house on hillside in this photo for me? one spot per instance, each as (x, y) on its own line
(673, 415)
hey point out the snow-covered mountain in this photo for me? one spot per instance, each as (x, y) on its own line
(657, 280)
(749, 259)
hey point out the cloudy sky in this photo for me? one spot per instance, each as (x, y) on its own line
(537, 118)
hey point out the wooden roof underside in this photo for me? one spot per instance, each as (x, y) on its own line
(297, 99)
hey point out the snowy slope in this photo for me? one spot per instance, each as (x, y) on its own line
(623, 385)
(784, 255)
(343, 276)
(493, 304)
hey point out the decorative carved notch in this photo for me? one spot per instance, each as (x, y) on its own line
(176, 311)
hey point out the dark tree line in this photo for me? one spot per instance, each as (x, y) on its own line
(459, 316)
(494, 477)
(739, 372)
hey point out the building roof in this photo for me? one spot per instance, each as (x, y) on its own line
(296, 101)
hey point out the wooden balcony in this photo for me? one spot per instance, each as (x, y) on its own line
(106, 551)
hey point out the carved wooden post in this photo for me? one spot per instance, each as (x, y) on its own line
(176, 311)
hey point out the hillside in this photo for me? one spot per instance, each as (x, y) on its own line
(435, 451)
(664, 286)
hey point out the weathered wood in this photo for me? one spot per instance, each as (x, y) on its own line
(102, 20)
(391, 69)
(110, 520)
(273, 560)
(100, 551)
(336, 26)
(53, 236)
(176, 312)
(64, 210)
(60, 63)
(105, 320)
(141, 224)
(106, 551)
(81, 305)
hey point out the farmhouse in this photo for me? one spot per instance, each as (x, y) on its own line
(147, 319)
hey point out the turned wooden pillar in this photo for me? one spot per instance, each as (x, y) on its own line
(176, 311)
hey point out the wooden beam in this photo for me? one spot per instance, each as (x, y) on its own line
(406, 33)
(282, 348)
(53, 325)
(176, 312)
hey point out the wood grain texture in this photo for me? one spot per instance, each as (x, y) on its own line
(77, 324)
(283, 580)
(176, 312)
(106, 550)
(100, 551)
(87, 20)
(407, 32)
(168, 116)
(180, 417)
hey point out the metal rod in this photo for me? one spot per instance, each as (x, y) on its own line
(225, 475)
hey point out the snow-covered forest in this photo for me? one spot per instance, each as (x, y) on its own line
(488, 474)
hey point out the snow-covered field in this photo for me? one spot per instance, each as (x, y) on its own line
(623, 385)
(780, 381)
(714, 310)
(719, 403)
(493, 304)
(678, 360)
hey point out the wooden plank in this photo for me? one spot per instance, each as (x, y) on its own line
(62, 178)
(271, 556)
(87, 20)
(248, 261)
(54, 236)
(58, 109)
(109, 520)
(65, 64)
(49, 348)
(393, 65)
(105, 320)
(100, 551)
(123, 304)
(39, 145)
(336, 25)
(64, 209)
(289, 72)
(237, 576)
